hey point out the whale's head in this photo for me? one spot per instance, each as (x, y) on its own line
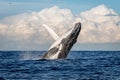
(62, 46)
(70, 39)
(73, 35)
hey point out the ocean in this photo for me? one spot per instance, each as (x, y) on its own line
(79, 65)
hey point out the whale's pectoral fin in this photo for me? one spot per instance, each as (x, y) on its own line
(52, 33)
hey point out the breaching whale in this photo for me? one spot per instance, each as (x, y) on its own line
(61, 47)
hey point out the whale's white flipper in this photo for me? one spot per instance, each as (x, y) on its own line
(52, 33)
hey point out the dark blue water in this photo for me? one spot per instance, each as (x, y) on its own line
(79, 65)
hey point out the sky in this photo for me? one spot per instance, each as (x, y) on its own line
(12, 7)
(21, 23)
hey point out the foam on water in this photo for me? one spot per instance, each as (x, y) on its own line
(29, 56)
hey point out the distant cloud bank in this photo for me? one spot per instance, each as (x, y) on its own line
(99, 25)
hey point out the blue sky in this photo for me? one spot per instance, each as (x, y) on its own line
(109, 39)
(12, 7)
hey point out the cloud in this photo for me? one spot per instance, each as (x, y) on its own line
(99, 25)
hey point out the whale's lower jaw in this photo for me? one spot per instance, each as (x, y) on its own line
(63, 45)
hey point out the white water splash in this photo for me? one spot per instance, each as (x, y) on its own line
(28, 56)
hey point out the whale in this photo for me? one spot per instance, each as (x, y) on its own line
(62, 45)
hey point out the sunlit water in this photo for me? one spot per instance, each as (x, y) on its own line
(79, 65)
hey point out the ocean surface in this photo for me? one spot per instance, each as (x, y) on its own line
(79, 65)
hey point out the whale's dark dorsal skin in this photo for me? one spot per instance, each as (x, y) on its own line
(62, 46)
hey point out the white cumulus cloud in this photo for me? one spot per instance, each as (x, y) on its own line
(99, 25)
